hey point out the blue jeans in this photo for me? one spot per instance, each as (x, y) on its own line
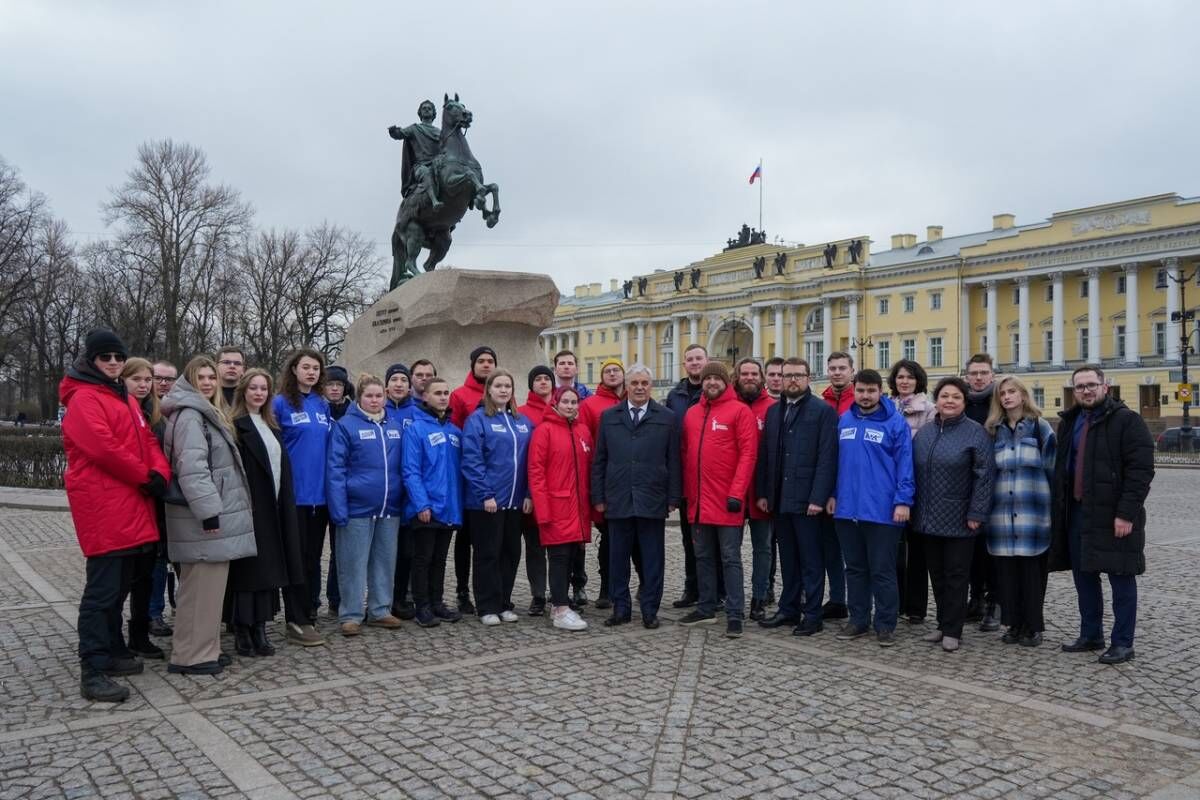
(366, 556)
(760, 564)
(802, 562)
(646, 534)
(870, 552)
(706, 539)
(1091, 598)
(158, 588)
(834, 565)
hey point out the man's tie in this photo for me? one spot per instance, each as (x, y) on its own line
(637, 415)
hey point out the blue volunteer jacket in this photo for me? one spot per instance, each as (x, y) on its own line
(306, 437)
(362, 477)
(493, 459)
(401, 412)
(432, 466)
(875, 466)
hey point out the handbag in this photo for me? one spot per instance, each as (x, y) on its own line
(174, 495)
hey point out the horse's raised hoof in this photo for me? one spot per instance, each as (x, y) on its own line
(492, 219)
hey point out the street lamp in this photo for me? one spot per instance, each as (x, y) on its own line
(860, 342)
(1186, 318)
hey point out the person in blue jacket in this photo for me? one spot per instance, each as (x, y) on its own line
(432, 463)
(399, 407)
(364, 492)
(871, 505)
(304, 419)
(495, 445)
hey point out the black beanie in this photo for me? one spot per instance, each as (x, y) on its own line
(102, 340)
(478, 351)
(395, 368)
(540, 369)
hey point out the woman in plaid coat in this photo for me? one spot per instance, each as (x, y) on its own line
(1018, 531)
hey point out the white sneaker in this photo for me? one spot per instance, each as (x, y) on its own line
(490, 620)
(566, 619)
(508, 616)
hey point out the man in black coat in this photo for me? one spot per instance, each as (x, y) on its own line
(984, 603)
(794, 479)
(683, 396)
(1102, 474)
(636, 484)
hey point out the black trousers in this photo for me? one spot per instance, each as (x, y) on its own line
(141, 582)
(462, 559)
(912, 574)
(1022, 588)
(104, 591)
(301, 600)
(535, 558)
(559, 558)
(949, 559)
(251, 608)
(496, 540)
(984, 582)
(774, 560)
(577, 571)
(604, 559)
(689, 552)
(404, 555)
(431, 545)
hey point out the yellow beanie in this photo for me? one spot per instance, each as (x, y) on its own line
(615, 361)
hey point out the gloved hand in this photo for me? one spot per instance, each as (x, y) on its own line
(733, 505)
(156, 486)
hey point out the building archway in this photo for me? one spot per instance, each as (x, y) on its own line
(730, 340)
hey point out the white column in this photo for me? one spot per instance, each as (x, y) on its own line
(756, 330)
(1023, 322)
(992, 349)
(1093, 276)
(650, 357)
(965, 348)
(797, 336)
(641, 348)
(693, 332)
(1133, 323)
(626, 331)
(779, 351)
(853, 319)
(1173, 334)
(546, 346)
(826, 332)
(1059, 356)
(677, 349)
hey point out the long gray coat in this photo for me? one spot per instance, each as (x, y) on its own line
(212, 479)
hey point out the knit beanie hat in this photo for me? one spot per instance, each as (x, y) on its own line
(613, 360)
(395, 368)
(338, 374)
(715, 368)
(540, 369)
(478, 351)
(102, 340)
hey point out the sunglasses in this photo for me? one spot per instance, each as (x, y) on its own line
(111, 357)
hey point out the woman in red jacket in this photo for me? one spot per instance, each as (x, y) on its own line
(560, 463)
(115, 469)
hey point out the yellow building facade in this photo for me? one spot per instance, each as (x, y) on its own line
(1091, 285)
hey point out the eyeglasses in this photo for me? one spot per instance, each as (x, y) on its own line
(794, 376)
(1086, 387)
(161, 379)
(111, 357)
(225, 362)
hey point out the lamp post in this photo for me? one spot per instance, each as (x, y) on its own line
(860, 342)
(1186, 318)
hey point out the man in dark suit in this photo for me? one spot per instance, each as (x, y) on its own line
(795, 477)
(636, 484)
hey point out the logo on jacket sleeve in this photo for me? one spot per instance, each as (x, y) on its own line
(393, 433)
(454, 439)
(366, 433)
(584, 445)
(848, 433)
(761, 424)
(322, 419)
(522, 428)
(873, 435)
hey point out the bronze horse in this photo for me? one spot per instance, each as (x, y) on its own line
(461, 188)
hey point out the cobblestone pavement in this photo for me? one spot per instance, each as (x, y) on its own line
(526, 711)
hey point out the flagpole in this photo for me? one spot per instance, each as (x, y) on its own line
(760, 192)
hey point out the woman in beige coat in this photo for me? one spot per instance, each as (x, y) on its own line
(215, 526)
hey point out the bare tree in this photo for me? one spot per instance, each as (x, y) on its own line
(272, 263)
(178, 225)
(342, 273)
(125, 296)
(21, 211)
(52, 311)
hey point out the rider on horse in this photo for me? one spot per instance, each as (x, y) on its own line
(422, 146)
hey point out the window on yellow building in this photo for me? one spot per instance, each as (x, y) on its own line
(1039, 397)
(1049, 292)
(935, 351)
(884, 302)
(1120, 341)
(883, 355)
(603, 336)
(910, 303)
(935, 301)
(909, 348)
(1083, 288)
(1016, 346)
(616, 334)
(1048, 345)
(1016, 295)
(1160, 279)
(1120, 284)
(589, 337)
(1083, 343)
(1160, 338)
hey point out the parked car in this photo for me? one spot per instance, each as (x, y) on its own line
(1169, 440)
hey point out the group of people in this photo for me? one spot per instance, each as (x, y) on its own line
(235, 479)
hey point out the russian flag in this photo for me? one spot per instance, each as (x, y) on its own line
(757, 174)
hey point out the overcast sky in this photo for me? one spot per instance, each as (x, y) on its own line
(622, 135)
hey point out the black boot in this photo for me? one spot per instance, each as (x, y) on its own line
(242, 641)
(139, 641)
(757, 612)
(95, 685)
(991, 618)
(262, 645)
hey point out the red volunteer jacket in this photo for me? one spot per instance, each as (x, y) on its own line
(718, 447)
(560, 468)
(465, 399)
(590, 409)
(535, 407)
(841, 403)
(110, 454)
(759, 409)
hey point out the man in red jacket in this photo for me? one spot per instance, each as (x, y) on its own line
(463, 402)
(115, 469)
(750, 391)
(609, 393)
(719, 448)
(839, 394)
